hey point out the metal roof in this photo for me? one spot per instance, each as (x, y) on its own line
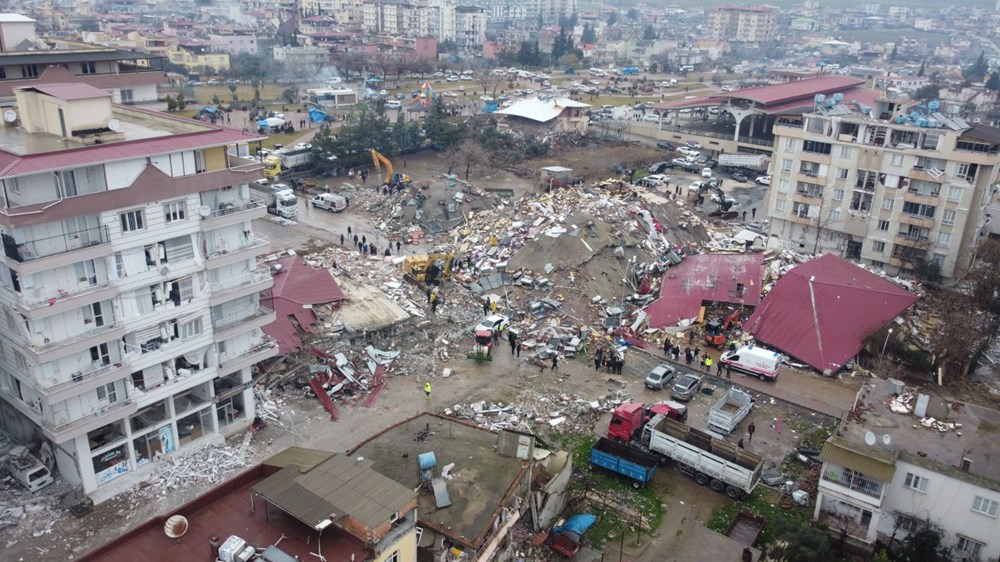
(339, 486)
(301, 456)
(777, 93)
(297, 284)
(86, 55)
(867, 460)
(708, 277)
(541, 110)
(68, 92)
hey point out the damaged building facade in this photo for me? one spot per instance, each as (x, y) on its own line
(129, 279)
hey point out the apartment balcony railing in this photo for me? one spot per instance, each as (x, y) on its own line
(248, 244)
(95, 417)
(227, 322)
(87, 333)
(266, 344)
(809, 194)
(32, 250)
(37, 301)
(229, 209)
(854, 481)
(258, 275)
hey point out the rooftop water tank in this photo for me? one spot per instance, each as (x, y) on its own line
(932, 123)
(902, 119)
(820, 98)
(922, 122)
(426, 461)
(934, 105)
(838, 97)
(830, 103)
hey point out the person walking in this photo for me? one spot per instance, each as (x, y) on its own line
(740, 443)
(512, 340)
(729, 370)
(427, 389)
(753, 213)
(744, 215)
(434, 304)
(398, 244)
(404, 163)
(364, 239)
(519, 346)
(341, 238)
(486, 307)
(597, 361)
(718, 369)
(555, 361)
(348, 230)
(750, 430)
(387, 254)
(708, 364)
(355, 238)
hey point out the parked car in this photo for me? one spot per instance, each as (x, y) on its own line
(686, 387)
(453, 78)
(651, 118)
(763, 180)
(493, 322)
(438, 74)
(702, 159)
(450, 94)
(654, 180)
(686, 150)
(663, 145)
(660, 376)
(739, 177)
(706, 172)
(692, 144)
(659, 167)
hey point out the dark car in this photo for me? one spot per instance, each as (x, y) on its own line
(686, 387)
(711, 163)
(659, 167)
(664, 145)
(660, 376)
(739, 177)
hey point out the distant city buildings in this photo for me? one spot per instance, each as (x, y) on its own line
(743, 24)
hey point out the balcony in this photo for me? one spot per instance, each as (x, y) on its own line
(230, 326)
(932, 199)
(266, 349)
(916, 220)
(912, 240)
(81, 341)
(931, 174)
(248, 248)
(804, 194)
(847, 481)
(62, 431)
(229, 213)
(85, 381)
(808, 176)
(64, 249)
(33, 305)
(801, 218)
(249, 283)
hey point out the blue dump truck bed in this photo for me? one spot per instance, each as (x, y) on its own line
(616, 457)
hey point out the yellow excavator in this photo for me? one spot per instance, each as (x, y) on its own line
(428, 269)
(391, 178)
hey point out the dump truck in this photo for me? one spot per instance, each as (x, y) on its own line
(733, 162)
(629, 418)
(285, 160)
(622, 459)
(729, 410)
(281, 200)
(711, 461)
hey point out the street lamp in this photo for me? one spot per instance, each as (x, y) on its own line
(885, 343)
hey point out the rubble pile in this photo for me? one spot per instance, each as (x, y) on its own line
(206, 466)
(32, 513)
(565, 412)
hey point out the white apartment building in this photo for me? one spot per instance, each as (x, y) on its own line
(891, 186)
(470, 26)
(747, 24)
(129, 284)
(882, 480)
(428, 18)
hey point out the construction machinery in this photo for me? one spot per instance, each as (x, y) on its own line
(717, 332)
(482, 346)
(428, 269)
(393, 179)
(726, 203)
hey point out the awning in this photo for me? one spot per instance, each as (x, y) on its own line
(869, 461)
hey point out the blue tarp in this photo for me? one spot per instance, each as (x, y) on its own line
(262, 123)
(317, 115)
(210, 109)
(577, 524)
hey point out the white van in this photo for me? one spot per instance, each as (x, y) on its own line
(754, 361)
(393, 104)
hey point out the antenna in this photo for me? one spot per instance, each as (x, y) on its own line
(870, 439)
(886, 439)
(10, 116)
(114, 124)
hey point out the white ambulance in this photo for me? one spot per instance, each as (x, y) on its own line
(754, 361)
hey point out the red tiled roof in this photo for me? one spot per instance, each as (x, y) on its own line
(710, 277)
(296, 285)
(69, 92)
(822, 311)
(807, 88)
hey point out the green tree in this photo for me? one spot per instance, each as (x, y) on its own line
(559, 45)
(895, 51)
(589, 36)
(216, 100)
(923, 67)
(923, 545)
(993, 82)
(181, 103)
(928, 92)
(799, 541)
(633, 14)
(290, 94)
(612, 19)
(977, 72)
(232, 90)
(171, 103)
(649, 34)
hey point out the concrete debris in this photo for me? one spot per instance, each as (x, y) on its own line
(569, 413)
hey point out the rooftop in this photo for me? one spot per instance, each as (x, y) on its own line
(978, 438)
(15, 18)
(788, 97)
(539, 109)
(480, 479)
(709, 277)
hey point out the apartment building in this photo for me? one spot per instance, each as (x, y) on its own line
(129, 284)
(470, 27)
(881, 481)
(198, 56)
(745, 24)
(891, 186)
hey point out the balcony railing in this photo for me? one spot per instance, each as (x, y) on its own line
(38, 302)
(77, 336)
(913, 237)
(228, 209)
(22, 252)
(248, 244)
(93, 372)
(231, 320)
(810, 194)
(258, 275)
(266, 344)
(853, 481)
(89, 417)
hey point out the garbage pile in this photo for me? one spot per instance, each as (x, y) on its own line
(206, 466)
(565, 412)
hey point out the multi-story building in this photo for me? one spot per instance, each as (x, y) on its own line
(470, 26)
(883, 185)
(747, 24)
(26, 60)
(129, 285)
(883, 480)
(198, 56)
(234, 42)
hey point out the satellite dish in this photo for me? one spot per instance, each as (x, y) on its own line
(114, 124)
(869, 439)
(164, 270)
(204, 211)
(886, 439)
(10, 116)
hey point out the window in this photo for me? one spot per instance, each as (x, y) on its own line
(883, 226)
(944, 238)
(107, 393)
(779, 205)
(131, 221)
(67, 183)
(838, 194)
(29, 70)
(918, 209)
(985, 506)
(971, 547)
(834, 215)
(887, 204)
(878, 247)
(816, 147)
(954, 193)
(3, 73)
(191, 329)
(783, 186)
(89, 68)
(790, 144)
(845, 152)
(13, 186)
(842, 173)
(914, 482)
(906, 523)
(394, 557)
(173, 211)
(897, 160)
(128, 96)
(786, 165)
(938, 259)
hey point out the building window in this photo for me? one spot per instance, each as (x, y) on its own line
(816, 147)
(786, 165)
(887, 204)
(394, 557)
(779, 205)
(985, 506)
(948, 217)
(789, 144)
(971, 547)
(842, 173)
(914, 482)
(89, 68)
(29, 70)
(783, 186)
(131, 221)
(173, 211)
(128, 96)
(944, 239)
(897, 160)
(834, 215)
(883, 226)
(938, 259)
(67, 182)
(906, 523)
(954, 193)
(107, 393)
(878, 247)
(191, 329)
(845, 152)
(838, 194)
(3, 72)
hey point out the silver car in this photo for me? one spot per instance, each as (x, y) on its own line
(686, 387)
(660, 376)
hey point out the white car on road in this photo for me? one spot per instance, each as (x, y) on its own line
(763, 180)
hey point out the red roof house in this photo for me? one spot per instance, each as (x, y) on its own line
(296, 286)
(822, 311)
(730, 278)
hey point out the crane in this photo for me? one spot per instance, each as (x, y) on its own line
(391, 178)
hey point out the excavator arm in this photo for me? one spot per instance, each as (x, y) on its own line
(380, 160)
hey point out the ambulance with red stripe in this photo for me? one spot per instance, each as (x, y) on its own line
(754, 361)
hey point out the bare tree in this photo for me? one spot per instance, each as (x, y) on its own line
(489, 82)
